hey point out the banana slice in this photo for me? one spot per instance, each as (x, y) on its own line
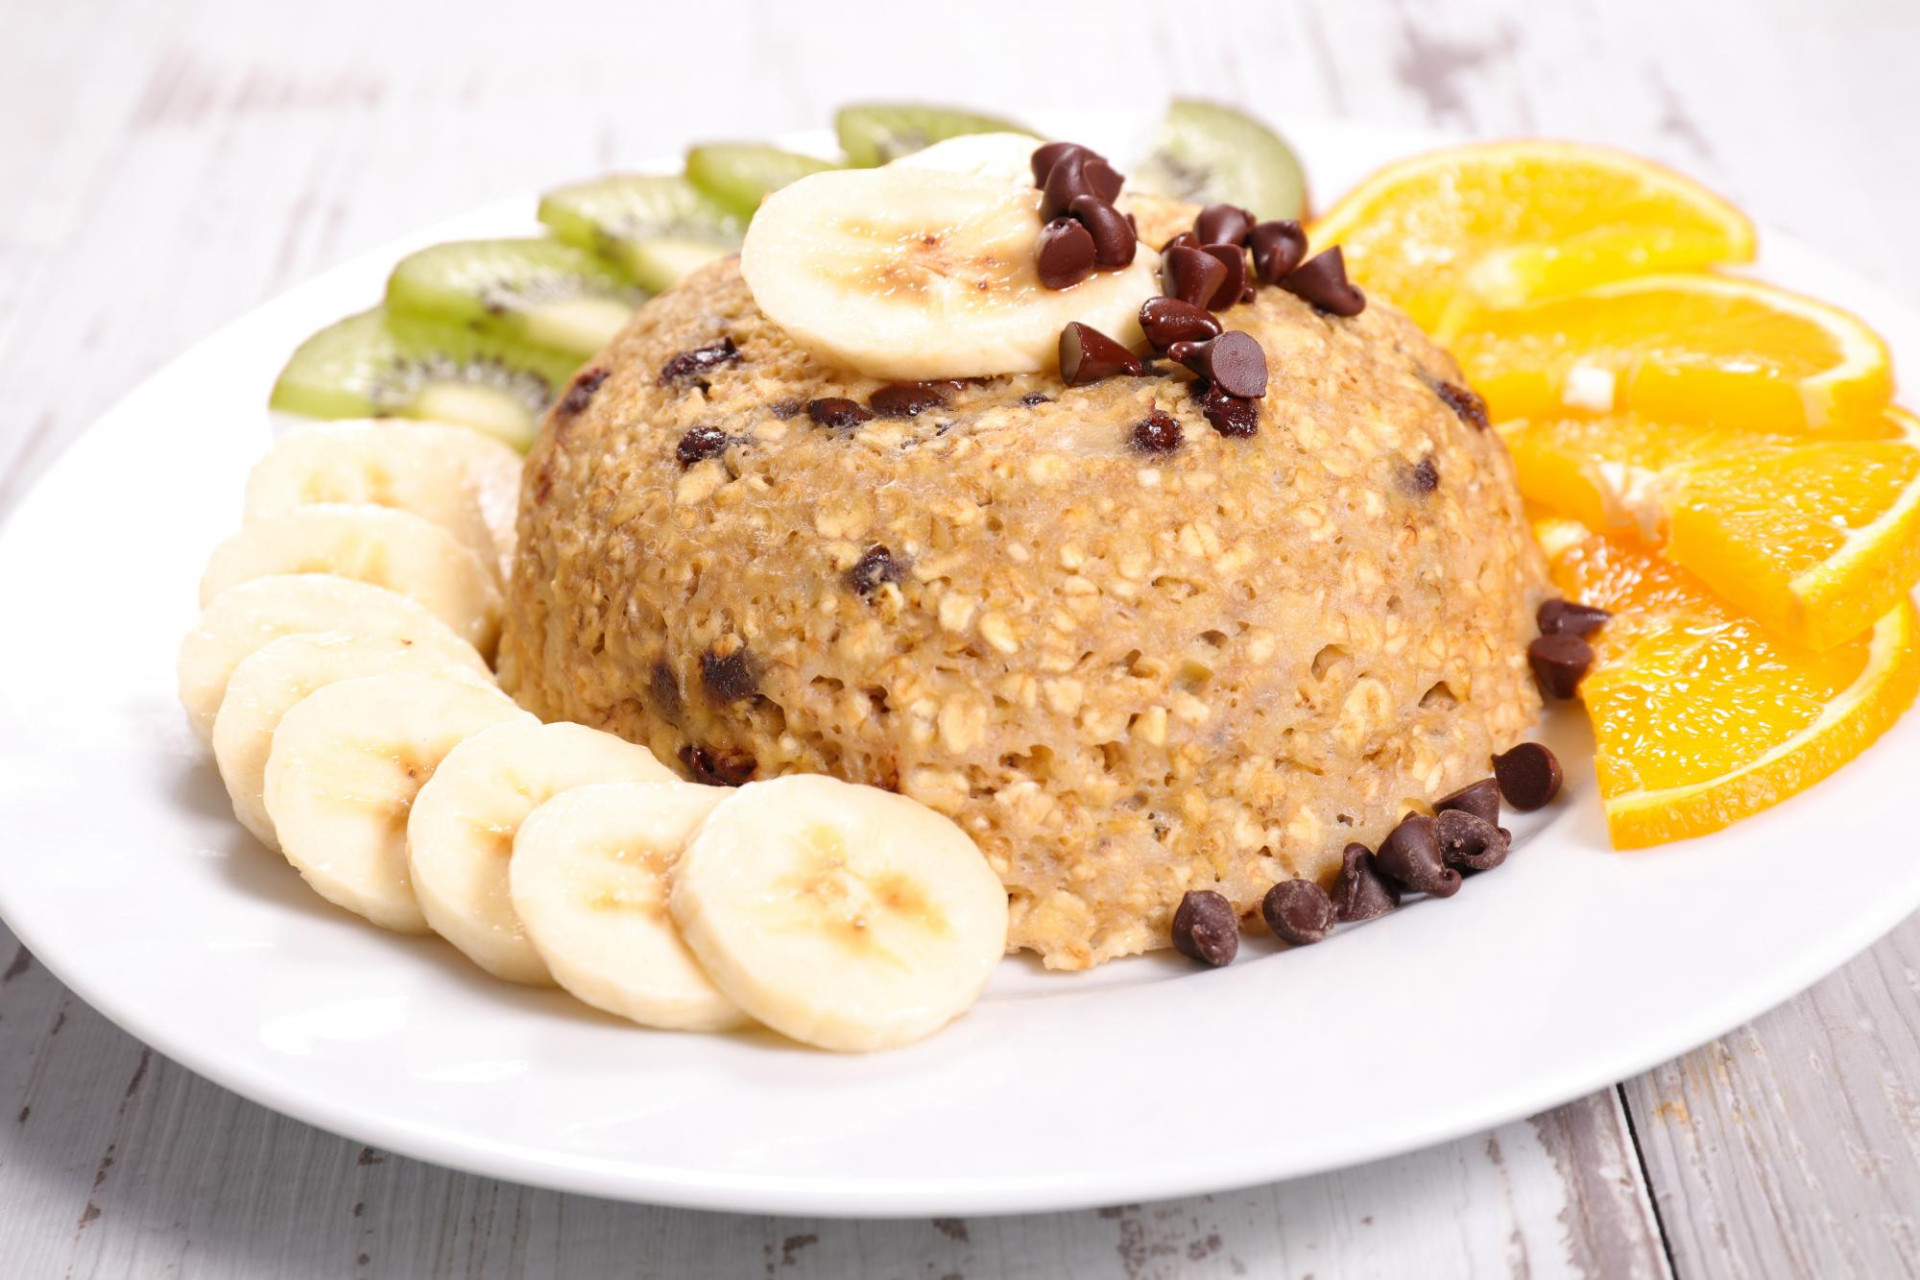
(843, 916)
(389, 548)
(461, 833)
(589, 884)
(242, 620)
(463, 481)
(925, 268)
(276, 677)
(346, 765)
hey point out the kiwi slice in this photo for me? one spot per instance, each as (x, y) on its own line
(535, 291)
(657, 228)
(376, 364)
(1211, 154)
(873, 133)
(736, 175)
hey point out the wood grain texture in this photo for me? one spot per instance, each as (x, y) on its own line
(165, 166)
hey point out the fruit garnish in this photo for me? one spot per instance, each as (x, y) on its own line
(873, 133)
(658, 228)
(738, 175)
(1815, 538)
(1700, 716)
(536, 291)
(1686, 348)
(1451, 232)
(1209, 154)
(377, 365)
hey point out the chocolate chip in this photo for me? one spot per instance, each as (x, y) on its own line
(1105, 180)
(1277, 248)
(1234, 259)
(1359, 893)
(1425, 476)
(1468, 840)
(906, 399)
(1223, 224)
(1298, 911)
(1410, 855)
(784, 409)
(1158, 432)
(1568, 618)
(663, 689)
(1078, 172)
(1191, 275)
(1231, 416)
(701, 443)
(1044, 158)
(1481, 799)
(722, 767)
(1465, 402)
(699, 360)
(580, 394)
(1033, 398)
(1322, 280)
(1114, 240)
(728, 677)
(1066, 254)
(1559, 663)
(1206, 929)
(838, 412)
(873, 570)
(1234, 362)
(1185, 240)
(1529, 776)
(1166, 321)
(1088, 355)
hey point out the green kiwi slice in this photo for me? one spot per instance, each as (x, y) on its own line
(378, 365)
(535, 291)
(736, 175)
(1211, 154)
(872, 133)
(657, 228)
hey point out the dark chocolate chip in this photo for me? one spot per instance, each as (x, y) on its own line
(1468, 840)
(1223, 224)
(873, 570)
(1559, 663)
(1206, 929)
(580, 394)
(1481, 799)
(719, 767)
(1234, 362)
(1529, 776)
(1044, 158)
(1191, 275)
(1066, 254)
(701, 443)
(1298, 911)
(663, 690)
(1231, 416)
(1425, 476)
(1033, 398)
(1234, 259)
(838, 412)
(699, 360)
(1166, 321)
(1185, 240)
(1277, 247)
(1359, 893)
(1105, 180)
(1410, 855)
(728, 677)
(1322, 281)
(1088, 355)
(1114, 240)
(1158, 432)
(906, 399)
(784, 409)
(1568, 618)
(1077, 172)
(1465, 402)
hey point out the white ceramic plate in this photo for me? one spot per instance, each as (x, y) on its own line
(121, 868)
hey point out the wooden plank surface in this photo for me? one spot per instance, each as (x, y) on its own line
(165, 166)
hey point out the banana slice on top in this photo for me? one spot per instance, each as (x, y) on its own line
(461, 833)
(346, 767)
(589, 880)
(389, 548)
(843, 916)
(253, 614)
(279, 675)
(465, 482)
(925, 269)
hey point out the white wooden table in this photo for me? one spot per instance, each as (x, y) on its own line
(165, 166)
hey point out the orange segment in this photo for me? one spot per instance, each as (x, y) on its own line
(1694, 348)
(1500, 224)
(1700, 718)
(1813, 537)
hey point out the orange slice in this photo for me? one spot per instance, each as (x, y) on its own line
(1700, 718)
(1693, 348)
(1815, 538)
(1499, 224)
